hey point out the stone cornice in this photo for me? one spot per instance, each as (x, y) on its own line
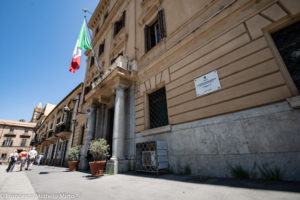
(107, 22)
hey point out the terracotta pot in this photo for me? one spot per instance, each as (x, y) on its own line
(73, 165)
(97, 167)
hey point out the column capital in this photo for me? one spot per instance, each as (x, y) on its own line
(120, 86)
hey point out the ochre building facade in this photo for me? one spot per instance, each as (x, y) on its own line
(215, 84)
(15, 136)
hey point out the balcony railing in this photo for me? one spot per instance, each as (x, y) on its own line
(120, 61)
(64, 127)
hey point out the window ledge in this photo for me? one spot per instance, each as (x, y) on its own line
(294, 101)
(155, 131)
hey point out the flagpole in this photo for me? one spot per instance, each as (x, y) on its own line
(101, 73)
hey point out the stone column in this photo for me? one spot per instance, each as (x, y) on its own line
(89, 136)
(100, 121)
(131, 135)
(119, 127)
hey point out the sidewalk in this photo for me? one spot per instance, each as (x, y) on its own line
(15, 182)
(80, 185)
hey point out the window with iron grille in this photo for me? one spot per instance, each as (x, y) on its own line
(11, 130)
(23, 142)
(155, 32)
(158, 108)
(287, 41)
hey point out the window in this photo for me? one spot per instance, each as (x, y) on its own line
(105, 16)
(58, 120)
(26, 130)
(7, 142)
(23, 142)
(155, 32)
(81, 136)
(101, 49)
(87, 89)
(92, 61)
(119, 24)
(97, 30)
(287, 41)
(3, 156)
(158, 108)
(11, 130)
(59, 146)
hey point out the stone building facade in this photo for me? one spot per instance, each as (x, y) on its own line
(152, 55)
(14, 136)
(55, 130)
(110, 97)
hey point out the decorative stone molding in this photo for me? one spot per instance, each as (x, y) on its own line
(155, 81)
(149, 8)
(155, 131)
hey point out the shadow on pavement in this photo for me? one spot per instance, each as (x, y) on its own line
(90, 177)
(285, 186)
(44, 173)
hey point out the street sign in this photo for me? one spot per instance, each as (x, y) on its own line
(87, 112)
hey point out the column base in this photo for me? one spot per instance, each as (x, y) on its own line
(83, 164)
(117, 165)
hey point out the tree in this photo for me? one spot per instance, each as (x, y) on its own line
(21, 120)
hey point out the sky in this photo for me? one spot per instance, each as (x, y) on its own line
(37, 40)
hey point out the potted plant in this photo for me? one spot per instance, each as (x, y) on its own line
(73, 158)
(99, 150)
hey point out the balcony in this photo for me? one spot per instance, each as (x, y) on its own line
(51, 137)
(10, 134)
(118, 73)
(24, 135)
(63, 130)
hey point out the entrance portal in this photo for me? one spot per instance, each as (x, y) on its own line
(110, 127)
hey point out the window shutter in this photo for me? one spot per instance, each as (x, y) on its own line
(147, 38)
(123, 19)
(161, 23)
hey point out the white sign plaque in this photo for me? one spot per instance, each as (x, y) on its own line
(208, 83)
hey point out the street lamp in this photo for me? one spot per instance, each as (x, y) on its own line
(67, 109)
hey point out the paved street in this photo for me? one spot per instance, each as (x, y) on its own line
(58, 183)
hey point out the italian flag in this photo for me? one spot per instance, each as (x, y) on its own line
(82, 43)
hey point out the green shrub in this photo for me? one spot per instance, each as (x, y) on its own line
(274, 174)
(187, 170)
(239, 172)
(99, 149)
(110, 171)
(73, 153)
